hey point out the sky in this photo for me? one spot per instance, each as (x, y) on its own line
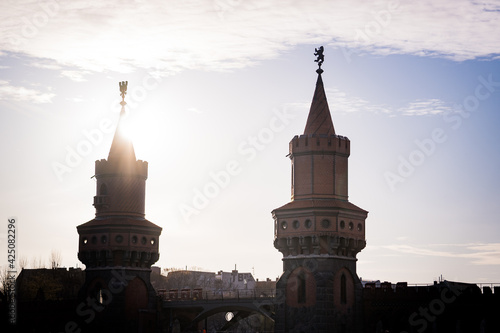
(218, 88)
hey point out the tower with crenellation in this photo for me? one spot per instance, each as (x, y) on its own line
(319, 232)
(119, 245)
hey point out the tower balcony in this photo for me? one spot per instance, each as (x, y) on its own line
(101, 201)
(323, 245)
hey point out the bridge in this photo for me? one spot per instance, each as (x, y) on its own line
(190, 308)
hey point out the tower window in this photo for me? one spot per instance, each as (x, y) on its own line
(153, 241)
(308, 224)
(343, 291)
(119, 238)
(85, 240)
(325, 223)
(94, 240)
(351, 225)
(301, 288)
(360, 227)
(104, 239)
(284, 225)
(100, 298)
(296, 224)
(143, 240)
(134, 239)
(103, 190)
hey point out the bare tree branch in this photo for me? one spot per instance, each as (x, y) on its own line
(23, 262)
(55, 259)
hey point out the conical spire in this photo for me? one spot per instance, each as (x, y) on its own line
(121, 147)
(319, 121)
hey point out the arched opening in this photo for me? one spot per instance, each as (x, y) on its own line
(343, 289)
(301, 288)
(136, 298)
(96, 291)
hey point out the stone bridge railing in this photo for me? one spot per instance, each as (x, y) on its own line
(217, 294)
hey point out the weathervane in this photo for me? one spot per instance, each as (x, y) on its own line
(320, 58)
(123, 91)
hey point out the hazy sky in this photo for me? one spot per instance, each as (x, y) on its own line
(222, 86)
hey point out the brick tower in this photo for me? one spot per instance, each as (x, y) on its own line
(319, 232)
(119, 245)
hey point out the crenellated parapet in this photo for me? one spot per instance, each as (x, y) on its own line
(138, 168)
(322, 144)
(319, 166)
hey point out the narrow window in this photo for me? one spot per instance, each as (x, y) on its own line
(343, 293)
(301, 288)
(103, 190)
(99, 296)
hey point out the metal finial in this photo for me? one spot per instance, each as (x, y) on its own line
(123, 91)
(320, 58)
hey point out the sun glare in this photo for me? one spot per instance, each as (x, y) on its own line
(141, 128)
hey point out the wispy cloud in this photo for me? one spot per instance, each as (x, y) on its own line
(195, 110)
(77, 76)
(16, 93)
(221, 35)
(425, 107)
(479, 254)
(340, 101)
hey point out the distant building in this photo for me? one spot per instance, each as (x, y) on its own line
(265, 288)
(210, 284)
(438, 308)
(47, 298)
(235, 280)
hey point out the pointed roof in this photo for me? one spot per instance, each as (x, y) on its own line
(121, 147)
(319, 121)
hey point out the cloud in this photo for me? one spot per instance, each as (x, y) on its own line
(479, 254)
(75, 99)
(340, 101)
(226, 34)
(76, 76)
(195, 110)
(486, 254)
(425, 107)
(10, 92)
